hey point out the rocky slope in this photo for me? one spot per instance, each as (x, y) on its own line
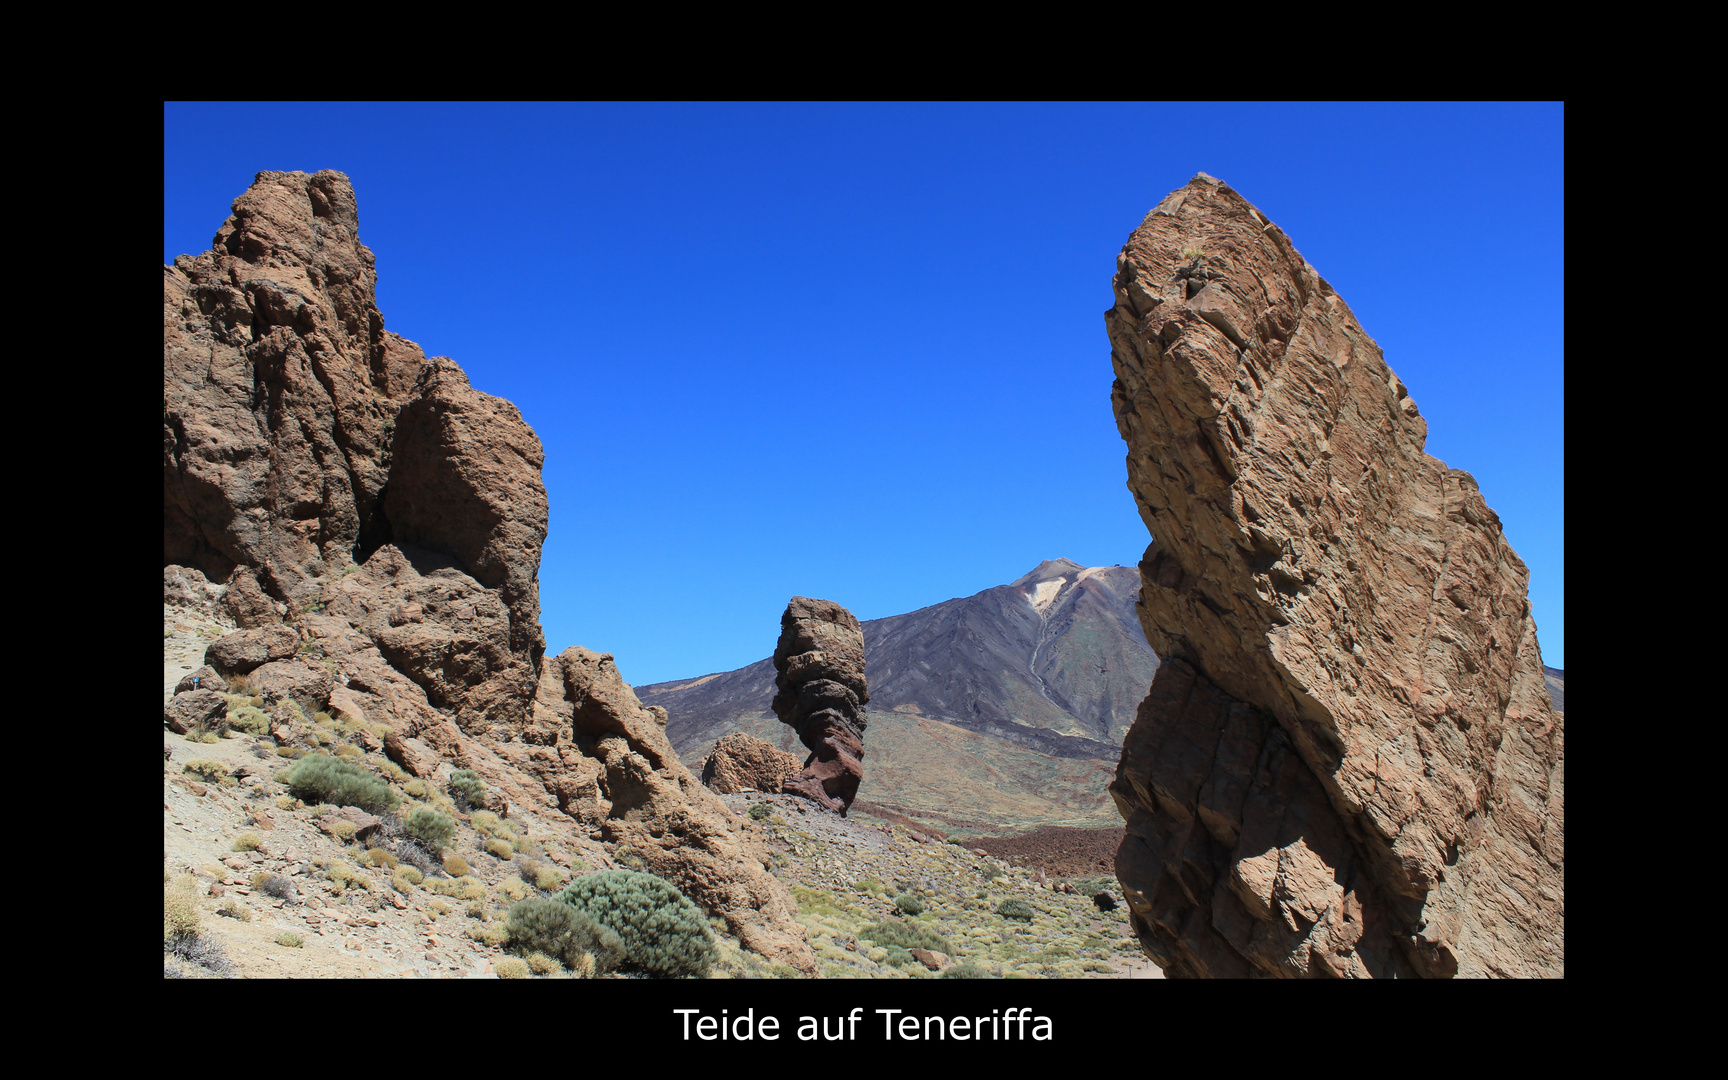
(1348, 764)
(370, 526)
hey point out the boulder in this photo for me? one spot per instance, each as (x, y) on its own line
(306, 683)
(243, 650)
(819, 666)
(1347, 763)
(411, 754)
(930, 958)
(741, 762)
(205, 678)
(245, 601)
(204, 709)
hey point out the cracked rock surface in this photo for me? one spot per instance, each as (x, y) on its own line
(1348, 763)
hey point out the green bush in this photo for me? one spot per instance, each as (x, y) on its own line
(663, 933)
(760, 812)
(560, 930)
(968, 970)
(319, 778)
(899, 957)
(892, 933)
(909, 904)
(1015, 909)
(466, 786)
(429, 827)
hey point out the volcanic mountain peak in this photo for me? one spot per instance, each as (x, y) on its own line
(1049, 570)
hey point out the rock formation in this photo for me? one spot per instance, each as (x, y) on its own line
(819, 663)
(1348, 763)
(376, 525)
(740, 762)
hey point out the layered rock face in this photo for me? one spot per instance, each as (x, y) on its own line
(1348, 763)
(819, 663)
(376, 526)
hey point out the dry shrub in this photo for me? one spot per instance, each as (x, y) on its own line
(541, 964)
(501, 849)
(232, 910)
(456, 866)
(511, 968)
(441, 907)
(343, 829)
(249, 842)
(179, 913)
(290, 939)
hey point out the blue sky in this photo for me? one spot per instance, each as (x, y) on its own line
(858, 352)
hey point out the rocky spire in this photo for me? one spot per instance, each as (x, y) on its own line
(1348, 764)
(822, 694)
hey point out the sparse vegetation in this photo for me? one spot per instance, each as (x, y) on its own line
(290, 939)
(1015, 908)
(248, 842)
(429, 827)
(904, 934)
(468, 789)
(211, 771)
(325, 779)
(760, 812)
(232, 910)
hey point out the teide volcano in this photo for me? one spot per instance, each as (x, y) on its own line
(985, 710)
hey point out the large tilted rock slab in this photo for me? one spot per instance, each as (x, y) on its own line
(819, 662)
(1348, 763)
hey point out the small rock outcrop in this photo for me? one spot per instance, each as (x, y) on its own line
(819, 665)
(741, 762)
(373, 527)
(1347, 764)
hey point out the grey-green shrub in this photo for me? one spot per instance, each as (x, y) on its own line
(467, 787)
(891, 933)
(429, 826)
(560, 930)
(664, 934)
(319, 778)
(909, 904)
(1015, 909)
(967, 970)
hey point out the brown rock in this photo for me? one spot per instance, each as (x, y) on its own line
(606, 760)
(305, 683)
(1347, 764)
(741, 762)
(413, 755)
(205, 678)
(819, 662)
(195, 709)
(378, 524)
(246, 603)
(365, 825)
(930, 958)
(243, 650)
